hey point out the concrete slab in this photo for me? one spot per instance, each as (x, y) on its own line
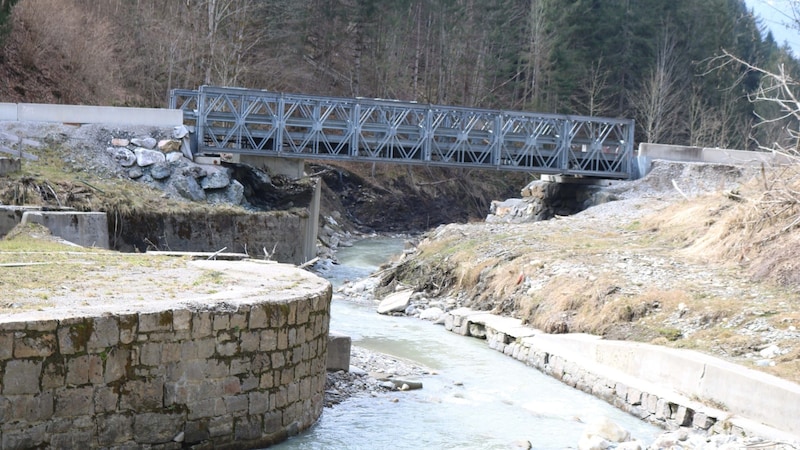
(338, 352)
(88, 229)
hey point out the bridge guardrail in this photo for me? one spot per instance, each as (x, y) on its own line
(248, 121)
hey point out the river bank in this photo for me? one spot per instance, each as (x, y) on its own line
(645, 267)
(360, 291)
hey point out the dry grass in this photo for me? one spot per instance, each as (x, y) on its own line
(755, 226)
(723, 264)
(44, 273)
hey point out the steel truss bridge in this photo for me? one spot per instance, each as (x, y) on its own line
(256, 122)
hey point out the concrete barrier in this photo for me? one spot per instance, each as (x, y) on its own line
(87, 229)
(38, 112)
(8, 112)
(649, 152)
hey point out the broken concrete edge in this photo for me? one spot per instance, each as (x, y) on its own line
(665, 386)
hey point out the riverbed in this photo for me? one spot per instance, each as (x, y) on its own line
(477, 399)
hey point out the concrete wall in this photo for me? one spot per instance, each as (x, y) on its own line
(37, 112)
(284, 231)
(11, 216)
(649, 152)
(234, 375)
(658, 384)
(87, 229)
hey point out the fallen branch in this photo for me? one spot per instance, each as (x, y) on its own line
(309, 263)
(214, 255)
(674, 184)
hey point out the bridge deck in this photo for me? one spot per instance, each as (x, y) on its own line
(234, 120)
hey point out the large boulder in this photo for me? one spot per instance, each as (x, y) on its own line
(605, 428)
(396, 302)
(145, 157)
(161, 170)
(188, 187)
(217, 178)
(147, 142)
(122, 156)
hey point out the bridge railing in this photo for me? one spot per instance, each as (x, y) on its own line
(302, 126)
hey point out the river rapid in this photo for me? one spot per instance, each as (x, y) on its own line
(477, 399)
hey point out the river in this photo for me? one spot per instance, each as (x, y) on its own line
(478, 399)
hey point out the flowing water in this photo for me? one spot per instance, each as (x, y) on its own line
(479, 398)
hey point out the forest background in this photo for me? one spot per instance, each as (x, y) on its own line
(659, 62)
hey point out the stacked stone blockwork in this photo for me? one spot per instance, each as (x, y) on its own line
(225, 377)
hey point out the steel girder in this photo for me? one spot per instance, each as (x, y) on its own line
(246, 121)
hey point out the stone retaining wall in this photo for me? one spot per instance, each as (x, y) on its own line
(578, 362)
(222, 376)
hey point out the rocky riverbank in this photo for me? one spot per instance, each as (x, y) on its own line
(599, 433)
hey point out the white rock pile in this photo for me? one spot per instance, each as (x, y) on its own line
(168, 164)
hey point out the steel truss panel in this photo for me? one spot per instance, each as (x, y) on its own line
(235, 120)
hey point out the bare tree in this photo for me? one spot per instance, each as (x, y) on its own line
(780, 90)
(658, 99)
(592, 97)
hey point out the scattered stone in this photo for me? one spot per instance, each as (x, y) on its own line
(120, 142)
(216, 179)
(770, 352)
(148, 142)
(174, 156)
(188, 187)
(161, 171)
(396, 302)
(135, 173)
(169, 145)
(180, 132)
(145, 157)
